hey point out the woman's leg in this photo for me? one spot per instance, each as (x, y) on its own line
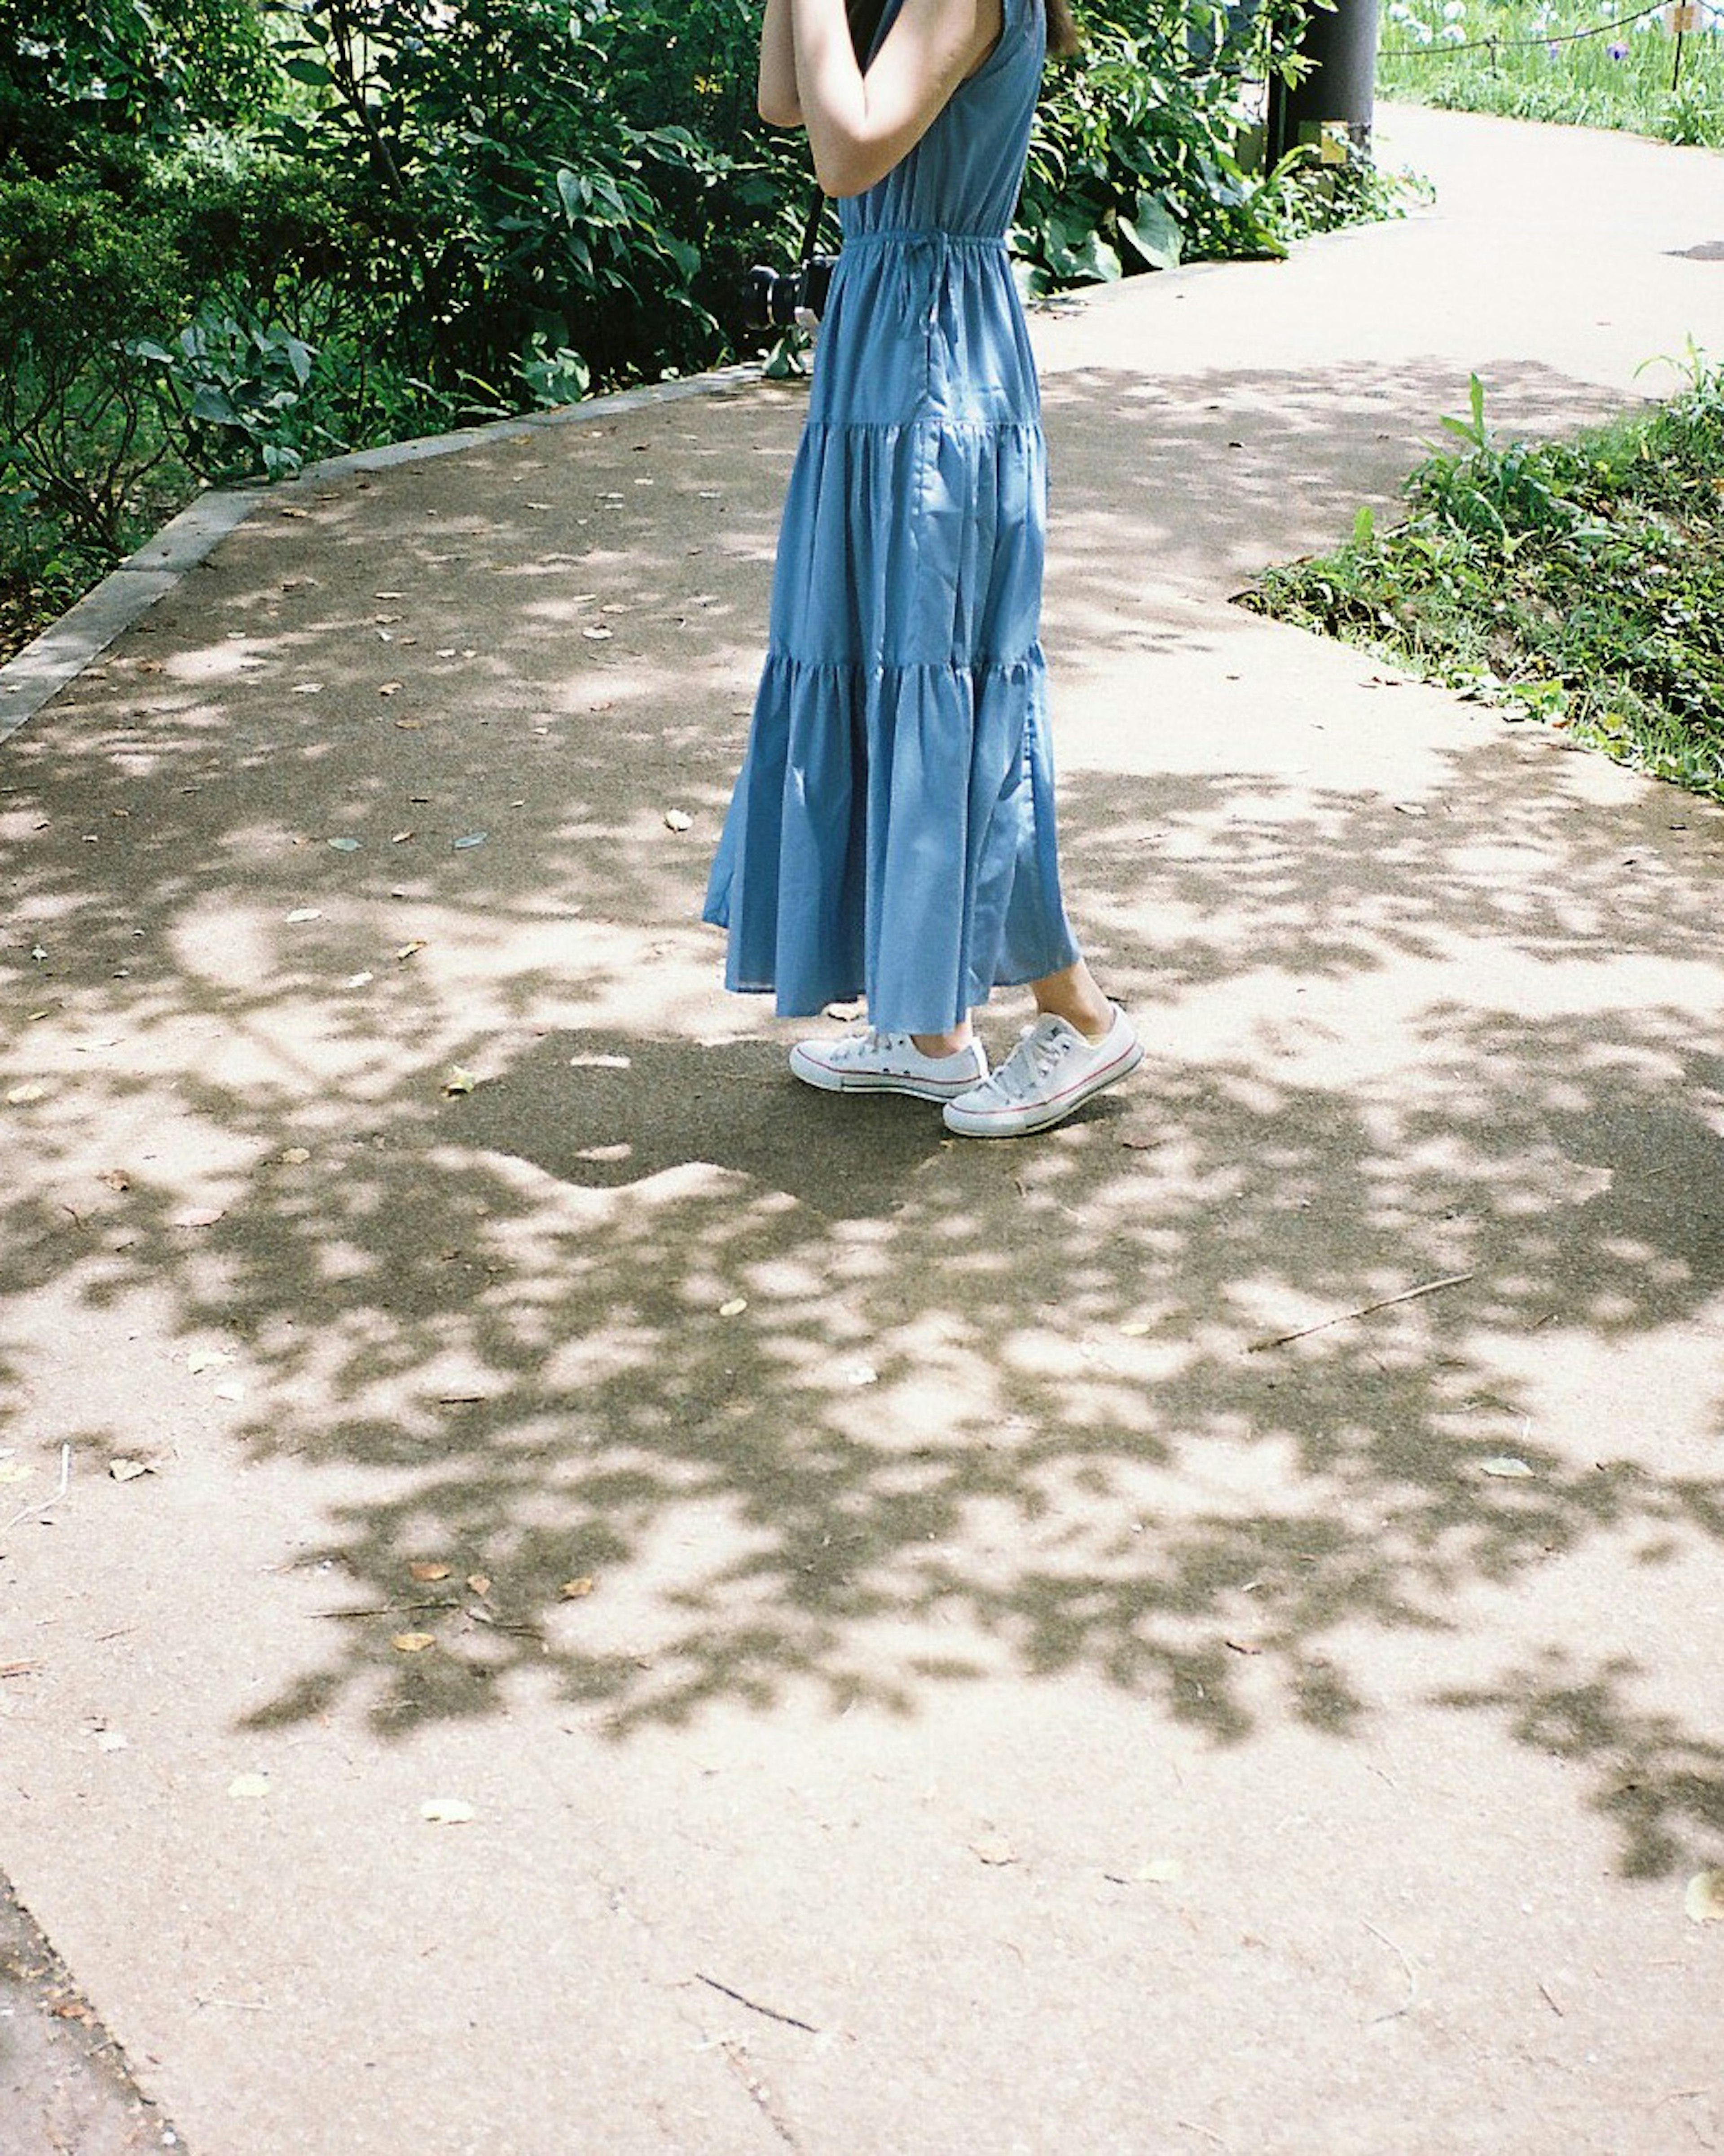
(1072, 995)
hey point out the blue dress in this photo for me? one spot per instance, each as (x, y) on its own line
(891, 833)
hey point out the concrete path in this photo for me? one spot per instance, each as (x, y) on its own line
(665, 1613)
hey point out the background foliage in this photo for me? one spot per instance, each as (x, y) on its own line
(1581, 581)
(1583, 62)
(237, 233)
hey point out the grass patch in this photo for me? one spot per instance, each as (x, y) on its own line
(1581, 581)
(1587, 65)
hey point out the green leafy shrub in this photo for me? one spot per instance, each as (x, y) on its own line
(79, 288)
(1583, 581)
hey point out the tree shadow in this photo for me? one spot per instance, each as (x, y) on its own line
(814, 1396)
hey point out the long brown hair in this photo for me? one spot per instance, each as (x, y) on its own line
(1062, 38)
(864, 17)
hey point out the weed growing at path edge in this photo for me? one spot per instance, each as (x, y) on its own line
(1581, 581)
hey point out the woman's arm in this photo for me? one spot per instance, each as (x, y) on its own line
(861, 125)
(779, 103)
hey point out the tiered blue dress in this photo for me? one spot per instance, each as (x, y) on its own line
(891, 834)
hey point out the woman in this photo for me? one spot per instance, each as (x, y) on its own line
(891, 833)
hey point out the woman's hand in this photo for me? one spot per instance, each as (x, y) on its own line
(861, 125)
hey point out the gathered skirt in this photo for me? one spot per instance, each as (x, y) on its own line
(891, 835)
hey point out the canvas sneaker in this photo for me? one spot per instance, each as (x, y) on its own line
(1051, 1072)
(865, 1062)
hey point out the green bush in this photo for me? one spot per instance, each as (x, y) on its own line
(80, 286)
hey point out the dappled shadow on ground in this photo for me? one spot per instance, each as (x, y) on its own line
(814, 1396)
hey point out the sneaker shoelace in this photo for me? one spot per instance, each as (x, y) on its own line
(1031, 1062)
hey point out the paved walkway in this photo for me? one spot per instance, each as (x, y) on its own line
(635, 1608)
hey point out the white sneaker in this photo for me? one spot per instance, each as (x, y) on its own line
(870, 1062)
(1051, 1072)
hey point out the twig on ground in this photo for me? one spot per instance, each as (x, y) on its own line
(1406, 2006)
(390, 1609)
(1364, 1310)
(789, 2020)
(30, 1511)
(1550, 2002)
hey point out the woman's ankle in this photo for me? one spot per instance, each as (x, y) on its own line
(942, 1043)
(1073, 995)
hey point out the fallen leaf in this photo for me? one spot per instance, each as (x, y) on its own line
(429, 1572)
(410, 726)
(388, 688)
(678, 819)
(994, 1849)
(1242, 1647)
(249, 1785)
(21, 1096)
(116, 1178)
(1160, 1871)
(128, 1471)
(296, 1157)
(412, 1643)
(599, 634)
(458, 1082)
(197, 1216)
(358, 980)
(401, 838)
(303, 913)
(735, 1308)
(345, 845)
(860, 1374)
(479, 1582)
(469, 839)
(575, 1590)
(306, 689)
(447, 1811)
(1138, 1141)
(1505, 1467)
(1704, 1902)
(72, 2009)
(599, 1063)
(407, 950)
(1137, 1328)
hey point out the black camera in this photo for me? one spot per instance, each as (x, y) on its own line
(775, 299)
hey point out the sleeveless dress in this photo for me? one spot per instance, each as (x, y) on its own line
(891, 833)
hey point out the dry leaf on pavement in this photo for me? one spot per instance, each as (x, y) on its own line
(447, 1811)
(412, 1643)
(1704, 1902)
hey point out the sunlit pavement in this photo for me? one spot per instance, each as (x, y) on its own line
(604, 1601)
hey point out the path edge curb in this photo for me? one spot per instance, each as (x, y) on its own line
(51, 662)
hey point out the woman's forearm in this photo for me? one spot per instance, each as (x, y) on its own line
(859, 126)
(779, 103)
